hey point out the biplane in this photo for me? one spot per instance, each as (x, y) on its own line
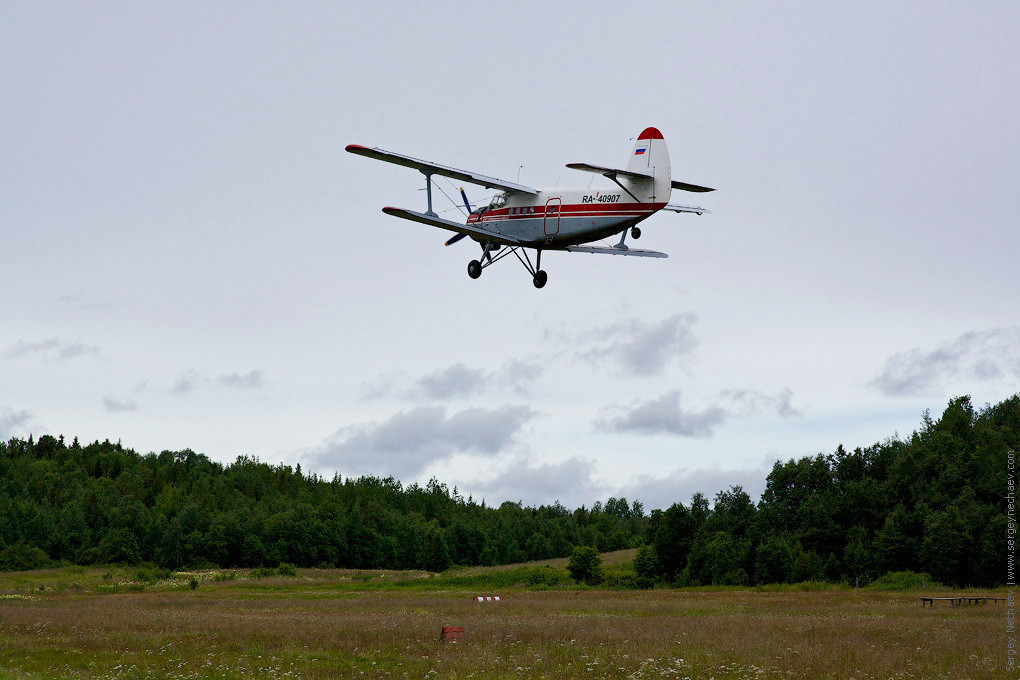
(520, 217)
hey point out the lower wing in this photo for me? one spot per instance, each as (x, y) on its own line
(596, 250)
(465, 229)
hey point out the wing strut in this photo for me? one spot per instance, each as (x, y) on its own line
(613, 177)
(428, 192)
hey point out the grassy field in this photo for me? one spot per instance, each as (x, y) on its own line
(113, 623)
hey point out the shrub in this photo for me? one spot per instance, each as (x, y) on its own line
(21, 557)
(646, 566)
(585, 565)
(286, 570)
(152, 574)
(902, 580)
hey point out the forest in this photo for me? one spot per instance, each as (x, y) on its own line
(932, 503)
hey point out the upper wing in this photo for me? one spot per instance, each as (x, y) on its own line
(615, 251)
(608, 172)
(675, 207)
(684, 186)
(484, 235)
(428, 167)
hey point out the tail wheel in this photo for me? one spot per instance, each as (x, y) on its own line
(540, 278)
(635, 233)
(474, 269)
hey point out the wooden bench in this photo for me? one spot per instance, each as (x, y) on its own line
(957, 601)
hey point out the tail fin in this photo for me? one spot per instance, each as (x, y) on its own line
(650, 156)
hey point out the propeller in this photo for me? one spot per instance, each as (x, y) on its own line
(467, 204)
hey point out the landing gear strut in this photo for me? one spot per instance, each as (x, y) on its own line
(538, 276)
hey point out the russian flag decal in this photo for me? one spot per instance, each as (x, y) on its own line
(638, 152)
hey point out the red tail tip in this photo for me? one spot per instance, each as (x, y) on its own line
(650, 133)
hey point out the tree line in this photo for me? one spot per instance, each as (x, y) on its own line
(932, 503)
(102, 503)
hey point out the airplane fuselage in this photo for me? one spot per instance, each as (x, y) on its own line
(555, 218)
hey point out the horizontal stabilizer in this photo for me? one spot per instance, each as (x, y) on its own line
(596, 250)
(697, 209)
(608, 172)
(684, 186)
(468, 230)
(445, 170)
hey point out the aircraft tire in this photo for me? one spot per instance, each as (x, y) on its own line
(635, 233)
(540, 278)
(474, 269)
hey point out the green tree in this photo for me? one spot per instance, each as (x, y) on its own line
(118, 545)
(773, 561)
(897, 543)
(585, 565)
(672, 533)
(436, 554)
(721, 559)
(646, 566)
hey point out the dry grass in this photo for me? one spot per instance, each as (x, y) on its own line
(609, 560)
(323, 625)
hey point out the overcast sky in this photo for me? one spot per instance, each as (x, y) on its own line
(188, 258)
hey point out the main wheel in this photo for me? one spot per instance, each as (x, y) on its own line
(540, 278)
(635, 232)
(474, 269)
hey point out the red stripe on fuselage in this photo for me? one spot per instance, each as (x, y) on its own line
(576, 210)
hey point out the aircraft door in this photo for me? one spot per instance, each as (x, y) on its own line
(551, 224)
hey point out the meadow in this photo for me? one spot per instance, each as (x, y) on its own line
(125, 623)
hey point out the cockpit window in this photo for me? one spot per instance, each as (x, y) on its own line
(498, 201)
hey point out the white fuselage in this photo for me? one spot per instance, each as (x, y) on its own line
(555, 218)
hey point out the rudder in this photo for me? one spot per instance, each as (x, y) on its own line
(650, 155)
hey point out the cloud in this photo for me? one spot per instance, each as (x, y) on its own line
(572, 482)
(23, 348)
(12, 421)
(752, 402)
(118, 405)
(51, 348)
(679, 485)
(382, 386)
(974, 356)
(84, 301)
(410, 441)
(641, 348)
(191, 380)
(187, 382)
(252, 380)
(519, 374)
(457, 381)
(664, 415)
